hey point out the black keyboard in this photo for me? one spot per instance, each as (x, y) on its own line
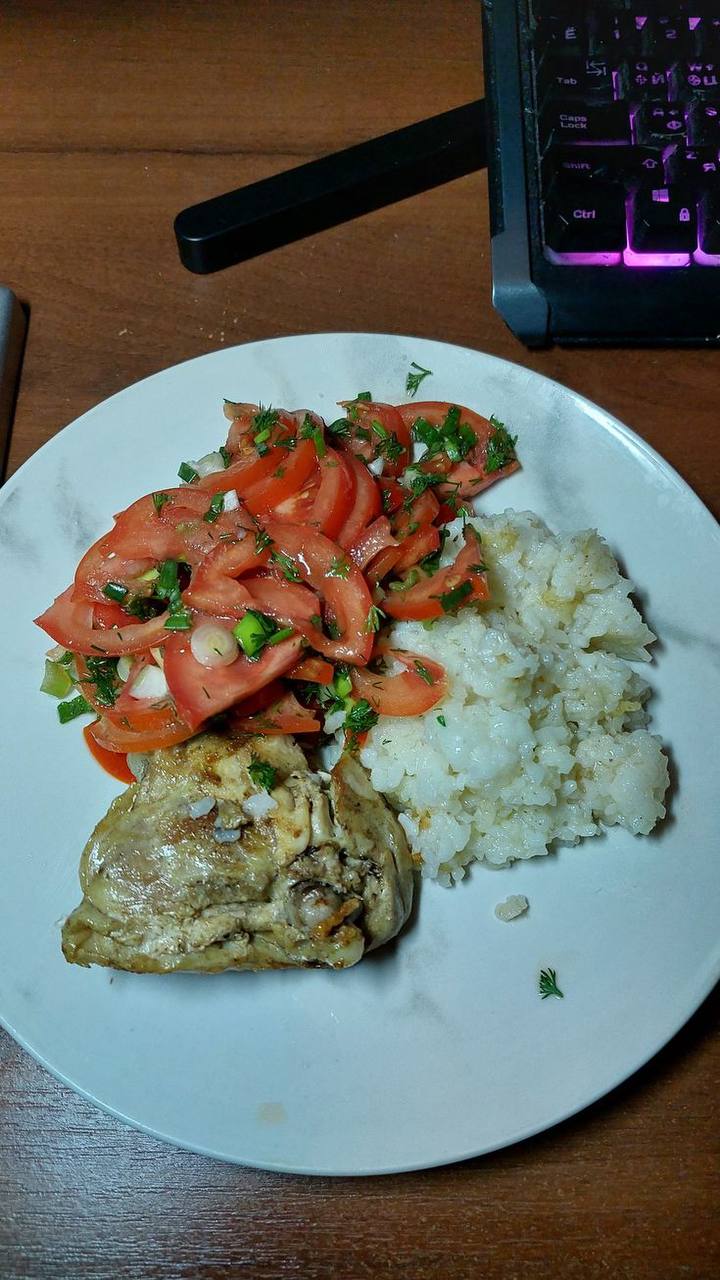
(605, 168)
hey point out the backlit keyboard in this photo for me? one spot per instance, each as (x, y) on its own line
(617, 133)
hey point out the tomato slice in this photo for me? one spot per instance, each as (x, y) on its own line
(380, 567)
(366, 504)
(285, 602)
(422, 685)
(326, 500)
(467, 478)
(200, 692)
(375, 539)
(113, 762)
(213, 587)
(284, 481)
(393, 494)
(415, 546)
(284, 716)
(422, 600)
(117, 737)
(69, 623)
(314, 670)
(339, 582)
(102, 564)
(378, 431)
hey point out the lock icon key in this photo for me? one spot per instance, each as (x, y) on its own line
(684, 215)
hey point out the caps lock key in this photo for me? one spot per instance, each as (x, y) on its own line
(585, 218)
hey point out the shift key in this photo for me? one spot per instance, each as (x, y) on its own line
(585, 218)
(571, 121)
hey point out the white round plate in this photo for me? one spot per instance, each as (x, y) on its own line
(439, 1047)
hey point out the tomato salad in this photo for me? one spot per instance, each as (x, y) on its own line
(262, 587)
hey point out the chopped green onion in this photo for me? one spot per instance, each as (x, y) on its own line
(364, 395)
(159, 500)
(179, 621)
(283, 634)
(441, 720)
(57, 681)
(75, 707)
(115, 591)
(225, 455)
(187, 472)
(262, 773)
(341, 685)
(340, 427)
(216, 508)
(255, 630)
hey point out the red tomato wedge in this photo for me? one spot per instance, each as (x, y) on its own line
(423, 600)
(422, 685)
(213, 587)
(314, 670)
(378, 431)
(285, 602)
(287, 715)
(102, 564)
(415, 546)
(200, 692)
(283, 481)
(113, 762)
(117, 737)
(366, 504)
(375, 539)
(338, 581)
(470, 476)
(69, 623)
(326, 500)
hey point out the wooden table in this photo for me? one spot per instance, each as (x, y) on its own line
(115, 117)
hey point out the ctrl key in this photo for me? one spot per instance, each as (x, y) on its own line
(585, 218)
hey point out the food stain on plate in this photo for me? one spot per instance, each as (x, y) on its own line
(271, 1113)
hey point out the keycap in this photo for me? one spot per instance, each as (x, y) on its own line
(662, 32)
(704, 123)
(656, 123)
(612, 32)
(709, 220)
(575, 121)
(696, 81)
(650, 78)
(604, 164)
(693, 166)
(564, 33)
(663, 220)
(584, 218)
(569, 76)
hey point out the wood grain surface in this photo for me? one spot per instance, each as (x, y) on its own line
(115, 117)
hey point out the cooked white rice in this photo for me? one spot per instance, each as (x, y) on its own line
(544, 736)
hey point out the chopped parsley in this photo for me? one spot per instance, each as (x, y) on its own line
(360, 717)
(453, 437)
(340, 427)
(431, 563)
(75, 707)
(159, 500)
(413, 380)
(373, 622)
(389, 447)
(501, 447)
(420, 481)
(262, 773)
(315, 620)
(264, 420)
(225, 455)
(262, 541)
(216, 508)
(115, 591)
(547, 984)
(451, 601)
(339, 568)
(186, 472)
(423, 672)
(287, 566)
(311, 431)
(102, 674)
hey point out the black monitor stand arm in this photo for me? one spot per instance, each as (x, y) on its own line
(254, 219)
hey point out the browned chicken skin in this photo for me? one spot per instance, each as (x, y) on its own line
(197, 867)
